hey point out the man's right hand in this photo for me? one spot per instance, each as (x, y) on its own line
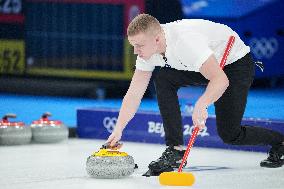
(115, 136)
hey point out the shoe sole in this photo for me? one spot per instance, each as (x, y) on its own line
(272, 166)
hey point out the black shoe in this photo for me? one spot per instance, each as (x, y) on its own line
(170, 159)
(274, 159)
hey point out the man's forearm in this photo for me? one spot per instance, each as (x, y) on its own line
(214, 90)
(132, 99)
(128, 109)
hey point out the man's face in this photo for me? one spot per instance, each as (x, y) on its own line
(145, 44)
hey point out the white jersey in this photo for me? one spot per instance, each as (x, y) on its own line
(190, 42)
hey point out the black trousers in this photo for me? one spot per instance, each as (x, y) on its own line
(229, 108)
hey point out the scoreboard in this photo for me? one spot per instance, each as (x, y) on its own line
(67, 38)
(77, 38)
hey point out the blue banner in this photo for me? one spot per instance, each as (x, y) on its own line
(148, 127)
(248, 19)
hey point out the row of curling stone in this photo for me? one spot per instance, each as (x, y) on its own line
(40, 131)
(14, 133)
(109, 163)
(48, 131)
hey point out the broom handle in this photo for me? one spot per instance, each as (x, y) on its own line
(227, 51)
(196, 129)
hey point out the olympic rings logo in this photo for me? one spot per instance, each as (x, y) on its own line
(109, 123)
(264, 47)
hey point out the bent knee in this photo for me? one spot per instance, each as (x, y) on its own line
(230, 136)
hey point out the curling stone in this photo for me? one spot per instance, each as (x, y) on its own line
(14, 133)
(110, 164)
(48, 131)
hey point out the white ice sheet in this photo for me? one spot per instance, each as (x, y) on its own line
(62, 165)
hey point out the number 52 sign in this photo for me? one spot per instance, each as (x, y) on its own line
(12, 56)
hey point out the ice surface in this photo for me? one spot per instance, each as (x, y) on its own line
(62, 165)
